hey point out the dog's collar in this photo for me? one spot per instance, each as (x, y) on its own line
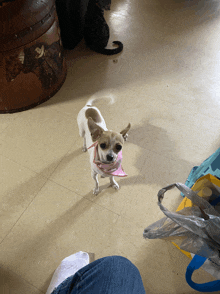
(110, 169)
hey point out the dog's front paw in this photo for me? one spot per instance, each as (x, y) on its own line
(115, 186)
(96, 191)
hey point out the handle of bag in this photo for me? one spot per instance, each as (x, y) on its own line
(197, 260)
(195, 264)
(197, 200)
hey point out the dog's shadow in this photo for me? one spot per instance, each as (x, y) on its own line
(154, 162)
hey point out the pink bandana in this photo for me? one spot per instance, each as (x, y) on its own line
(112, 169)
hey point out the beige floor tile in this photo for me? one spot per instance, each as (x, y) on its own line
(190, 139)
(74, 171)
(38, 139)
(162, 170)
(19, 186)
(11, 283)
(57, 223)
(185, 139)
(6, 120)
(1, 142)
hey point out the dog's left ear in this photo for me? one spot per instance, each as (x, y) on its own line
(124, 133)
(95, 130)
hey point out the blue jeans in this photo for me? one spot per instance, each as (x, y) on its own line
(108, 275)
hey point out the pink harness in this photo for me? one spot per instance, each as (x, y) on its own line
(110, 169)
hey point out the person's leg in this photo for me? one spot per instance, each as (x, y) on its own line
(108, 275)
(68, 267)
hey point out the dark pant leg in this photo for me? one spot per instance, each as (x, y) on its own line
(108, 275)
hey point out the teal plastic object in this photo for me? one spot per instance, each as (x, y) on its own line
(210, 166)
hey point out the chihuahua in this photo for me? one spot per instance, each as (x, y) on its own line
(104, 146)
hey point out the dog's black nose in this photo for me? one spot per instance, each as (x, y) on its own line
(109, 157)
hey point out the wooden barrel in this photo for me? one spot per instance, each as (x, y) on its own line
(32, 65)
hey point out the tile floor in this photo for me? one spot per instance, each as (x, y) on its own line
(166, 84)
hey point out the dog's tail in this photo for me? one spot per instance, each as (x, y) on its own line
(110, 97)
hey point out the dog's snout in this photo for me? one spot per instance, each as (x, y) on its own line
(109, 157)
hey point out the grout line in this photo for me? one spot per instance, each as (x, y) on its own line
(22, 213)
(24, 166)
(49, 178)
(38, 173)
(83, 197)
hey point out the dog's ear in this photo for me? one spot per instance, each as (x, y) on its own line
(124, 132)
(95, 130)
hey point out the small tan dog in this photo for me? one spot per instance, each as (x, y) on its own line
(104, 146)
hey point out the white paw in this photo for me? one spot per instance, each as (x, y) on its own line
(126, 137)
(96, 191)
(115, 186)
(84, 149)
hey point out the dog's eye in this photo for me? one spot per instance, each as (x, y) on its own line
(103, 145)
(118, 147)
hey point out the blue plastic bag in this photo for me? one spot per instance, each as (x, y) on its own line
(195, 264)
